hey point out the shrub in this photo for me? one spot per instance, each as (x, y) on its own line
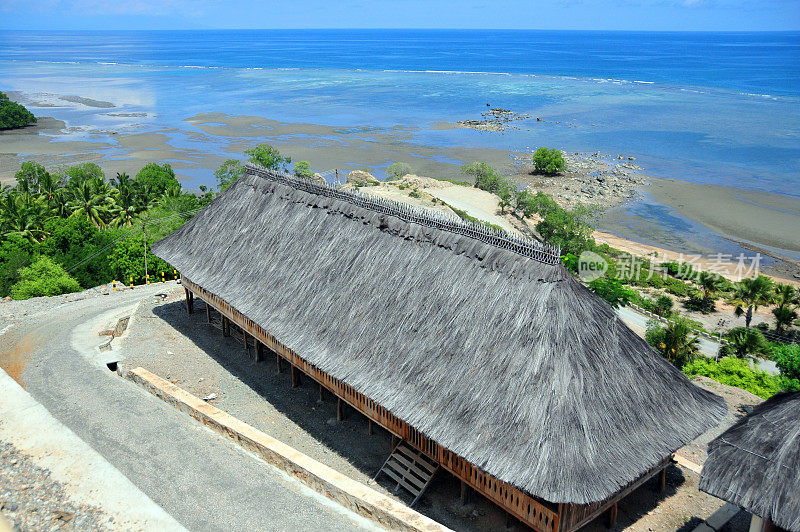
(787, 358)
(663, 306)
(303, 169)
(486, 177)
(548, 161)
(572, 230)
(75, 239)
(83, 172)
(681, 270)
(16, 252)
(126, 260)
(735, 372)
(43, 278)
(676, 287)
(397, 170)
(611, 289)
(13, 115)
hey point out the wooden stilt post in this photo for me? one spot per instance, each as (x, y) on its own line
(662, 480)
(611, 516)
(278, 360)
(208, 313)
(259, 351)
(244, 339)
(464, 493)
(394, 441)
(188, 301)
(321, 396)
(339, 409)
(226, 328)
(295, 377)
(369, 424)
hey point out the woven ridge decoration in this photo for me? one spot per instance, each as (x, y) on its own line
(532, 249)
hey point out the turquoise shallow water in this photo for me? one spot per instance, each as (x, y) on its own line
(720, 108)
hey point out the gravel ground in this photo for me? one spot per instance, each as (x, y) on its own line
(31, 501)
(193, 354)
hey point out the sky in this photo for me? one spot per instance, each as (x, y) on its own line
(642, 15)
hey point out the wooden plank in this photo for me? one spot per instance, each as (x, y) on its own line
(403, 472)
(394, 476)
(412, 466)
(417, 457)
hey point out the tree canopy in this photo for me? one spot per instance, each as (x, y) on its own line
(13, 115)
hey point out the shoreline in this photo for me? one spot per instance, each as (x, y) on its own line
(743, 219)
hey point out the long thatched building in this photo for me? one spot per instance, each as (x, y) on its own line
(476, 348)
(755, 464)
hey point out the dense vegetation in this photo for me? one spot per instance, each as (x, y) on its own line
(13, 115)
(549, 161)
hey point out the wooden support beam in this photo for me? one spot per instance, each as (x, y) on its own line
(295, 377)
(188, 300)
(662, 480)
(244, 339)
(394, 441)
(465, 492)
(611, 516)
(321, 396)
(226, 327)
(208, 313)
(370, 426)
(339, 409)
(278, 361)
(259, 351)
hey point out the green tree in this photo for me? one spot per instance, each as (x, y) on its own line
(80, 247)
(787, 297)
(43, 278)
(751, 293)
(16, 252)
(784, 318)
(549, 161)
(787, 358)
(709, 283)
(228, 173)
(398, 170)
(303, 169)
(268, 157)
(30, 175)
(76, 175)
(677, 342)
(486, 177)
(13, 115)
(126, 260)
(744, 342)
(570, 229)
(153, 180)
(612, 290)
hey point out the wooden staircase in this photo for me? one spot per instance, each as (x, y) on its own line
(410, 469)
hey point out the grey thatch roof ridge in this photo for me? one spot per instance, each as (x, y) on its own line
(755, 464)
(508, 362)
(526, 247)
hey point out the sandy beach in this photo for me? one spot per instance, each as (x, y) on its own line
(751, 220)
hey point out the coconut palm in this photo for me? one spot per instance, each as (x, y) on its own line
(709, 283)
(750, 294)
(744, 343)
(677, 342)
(784, 317)
(126, 205)
(88, 201)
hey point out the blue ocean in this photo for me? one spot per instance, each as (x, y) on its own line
(721, 108)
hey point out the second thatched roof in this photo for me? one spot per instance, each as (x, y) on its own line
(483, 343)
(755, 464)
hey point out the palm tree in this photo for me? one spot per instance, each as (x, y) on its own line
(89, 201)
(709, 284)
(677, 342)
(744, 343)
(750, 294)
(126, 205)
(784, 317)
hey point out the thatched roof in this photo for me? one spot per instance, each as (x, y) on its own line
(755, 464)
(490, 348)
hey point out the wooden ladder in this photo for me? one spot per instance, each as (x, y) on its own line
(410, 469)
